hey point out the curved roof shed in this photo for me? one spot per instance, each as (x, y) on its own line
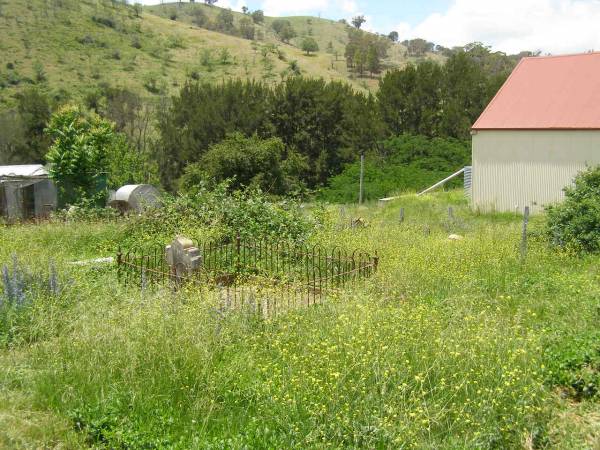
(136, 197)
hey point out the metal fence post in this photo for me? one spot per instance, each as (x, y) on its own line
(238, 245)
(524, 234)
(119, 263)
(362, 178)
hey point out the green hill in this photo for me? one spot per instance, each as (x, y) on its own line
(70, 47)
(331, 36)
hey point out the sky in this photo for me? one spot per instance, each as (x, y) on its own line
(550, 26)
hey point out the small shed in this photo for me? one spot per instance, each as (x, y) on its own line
(538, 132)
(26, 191)
(135, 197)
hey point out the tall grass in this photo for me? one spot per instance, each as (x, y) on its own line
(446, 347)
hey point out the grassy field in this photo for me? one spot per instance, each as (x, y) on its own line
(452, 344)
(70, 47)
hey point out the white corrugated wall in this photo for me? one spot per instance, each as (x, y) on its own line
(513, 169)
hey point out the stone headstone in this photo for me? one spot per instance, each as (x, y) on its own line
(183, 257)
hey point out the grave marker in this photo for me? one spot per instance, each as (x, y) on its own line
(183, 258)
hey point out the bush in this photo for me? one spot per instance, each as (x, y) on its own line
(86, 211)
(258, 16)
(79, 154)
(247, 28)
(105, 21)
(199, 18)
(574, 364)
(575, 223)
(135, 43)
(406, 163)
(86, 40)
(310, 45)
(175, 41)
(40, 73)
(209, 214)
(247, 161)
(152, 82)
(284, 29)
(225, 21)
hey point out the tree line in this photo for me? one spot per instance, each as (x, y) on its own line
(325, 125)
(295, 135)
(223, 22)
(364, 51)
(321, 125)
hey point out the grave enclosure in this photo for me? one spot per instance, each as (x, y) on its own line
(264, 276)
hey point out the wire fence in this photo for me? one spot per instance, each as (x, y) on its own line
(265, 276)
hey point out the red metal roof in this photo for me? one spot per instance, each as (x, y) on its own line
(551, 92)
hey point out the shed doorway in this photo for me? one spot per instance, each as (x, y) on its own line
(28, 201)
(3, 211)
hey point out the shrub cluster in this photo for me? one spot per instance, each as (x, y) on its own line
(209, 214)
(404, 163)
(575, 223)
(326, 123)
(574, 364)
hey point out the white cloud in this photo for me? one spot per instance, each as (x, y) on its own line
(232, 4)
(295, 7)
(553, 26)
(290, 7)
(349, 7)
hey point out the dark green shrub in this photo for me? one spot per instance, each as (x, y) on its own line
(258, 16)
(222, 214)
(575, 223)
(78, 154)
(135, 43)
(105, 21)
(14, 78)
(86, 40)
(405, 163)
(573, 363)
(151, 82)
(247, 161)
(86, 211)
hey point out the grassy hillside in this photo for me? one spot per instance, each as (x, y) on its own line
(69, 47)
(325, 64)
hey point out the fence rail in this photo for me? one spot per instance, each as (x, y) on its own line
(267, 276)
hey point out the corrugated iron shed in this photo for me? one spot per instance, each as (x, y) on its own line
(24, 171)
(545, 93)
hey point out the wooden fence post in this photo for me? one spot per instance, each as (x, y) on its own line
(401, 215)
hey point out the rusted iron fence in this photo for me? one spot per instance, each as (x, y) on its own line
(267, 276)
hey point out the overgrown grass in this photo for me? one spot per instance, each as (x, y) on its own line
(453, 344)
